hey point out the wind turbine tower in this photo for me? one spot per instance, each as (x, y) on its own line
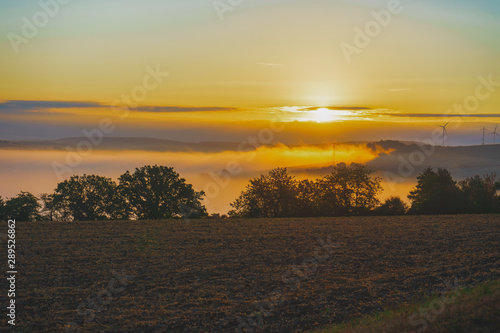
(334, 152)
(495, 134)
(444, 131)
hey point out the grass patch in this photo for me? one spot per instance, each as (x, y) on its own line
(465, 310)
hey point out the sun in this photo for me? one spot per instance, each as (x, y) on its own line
(321, 115)
(324, 115)
(317, 114)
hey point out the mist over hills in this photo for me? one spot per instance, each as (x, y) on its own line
(120, 144)
(407, 159)
(399, 157)
(461, 161)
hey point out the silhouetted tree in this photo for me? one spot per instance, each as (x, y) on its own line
(392, 206)
(23, 207)
(252, 202)
(3, 211)
(497, 201)
(88, 198)
(49, 210)
(348, 190)
(158, 192)
(436, 193)
(480, 194)
(307, 192)
(271, 195)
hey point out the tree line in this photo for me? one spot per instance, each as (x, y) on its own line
(348, 190)
(158, 192)
(150, 193)
(352, 190)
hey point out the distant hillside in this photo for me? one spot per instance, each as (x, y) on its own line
(462, 161)
(121, 143)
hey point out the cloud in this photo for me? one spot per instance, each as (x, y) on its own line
(30, 106)
(398, 89)
(16, 106)
(182, 109)
(351, 108)
(432, 115)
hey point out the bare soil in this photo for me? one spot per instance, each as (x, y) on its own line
(267, 275)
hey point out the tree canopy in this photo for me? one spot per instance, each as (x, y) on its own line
(480, 194)
(392, 206)
(436, 193)
(88, 198)
(271, 195)
(158, 192)
(348, 190)
(23, 207)
(3, 211)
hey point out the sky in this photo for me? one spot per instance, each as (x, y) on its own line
(262, 54)
(314, 71)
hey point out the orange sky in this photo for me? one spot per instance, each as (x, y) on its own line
(263, 54)
(275, 71)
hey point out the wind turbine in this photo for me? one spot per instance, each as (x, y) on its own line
(444, 131)
(495, 134)
(334, 151)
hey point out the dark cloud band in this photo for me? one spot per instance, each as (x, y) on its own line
(13, 106)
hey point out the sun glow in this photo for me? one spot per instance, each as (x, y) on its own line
(318, 114)
(324, 115)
